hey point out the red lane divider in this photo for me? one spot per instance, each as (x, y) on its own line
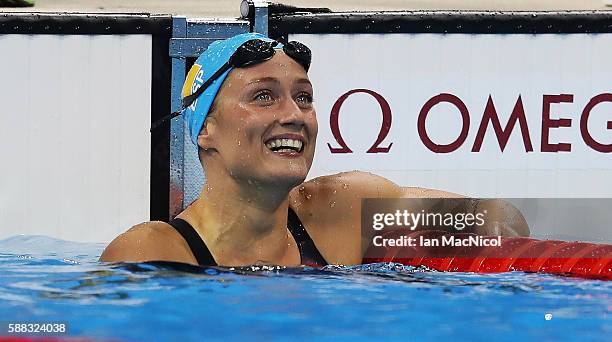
(579, 259)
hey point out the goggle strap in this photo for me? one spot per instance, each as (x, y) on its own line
(188, 100)
(164, 119)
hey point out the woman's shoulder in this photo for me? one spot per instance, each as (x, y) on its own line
(351, 185)
(329, 207)
(149, 241)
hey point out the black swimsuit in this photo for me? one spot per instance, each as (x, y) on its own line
(308, 251)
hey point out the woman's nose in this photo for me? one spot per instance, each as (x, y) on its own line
(291, 113)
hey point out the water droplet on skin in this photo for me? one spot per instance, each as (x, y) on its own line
(302, 188)
(238, 142)
(308, 196)
(335, 191)
(332, 204)
(344, 186)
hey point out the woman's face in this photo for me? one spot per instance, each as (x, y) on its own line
(264, 127)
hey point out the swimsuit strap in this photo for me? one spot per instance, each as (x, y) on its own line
(309, 254)
(195, 242)
(308, 251)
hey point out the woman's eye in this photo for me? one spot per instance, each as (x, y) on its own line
(304, 98)
(263, 96)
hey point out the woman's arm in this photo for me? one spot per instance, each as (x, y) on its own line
(347, 189)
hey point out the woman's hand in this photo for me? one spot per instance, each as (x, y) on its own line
(502, 218)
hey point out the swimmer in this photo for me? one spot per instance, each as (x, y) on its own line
(248, 104)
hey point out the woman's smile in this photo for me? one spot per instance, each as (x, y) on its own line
(286, 145)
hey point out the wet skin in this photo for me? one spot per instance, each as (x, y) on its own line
(241, 213)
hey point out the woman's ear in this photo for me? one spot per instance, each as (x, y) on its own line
(206, 137)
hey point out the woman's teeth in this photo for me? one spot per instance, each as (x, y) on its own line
(284, 145)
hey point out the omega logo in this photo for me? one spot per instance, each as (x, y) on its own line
(384, 128)
(489, 118)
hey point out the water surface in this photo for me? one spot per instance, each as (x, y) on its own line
(45, 279)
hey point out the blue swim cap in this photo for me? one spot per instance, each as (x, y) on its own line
(211, 60)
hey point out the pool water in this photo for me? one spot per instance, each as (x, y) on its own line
(45, 279)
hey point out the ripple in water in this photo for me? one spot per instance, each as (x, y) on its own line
(375, 301)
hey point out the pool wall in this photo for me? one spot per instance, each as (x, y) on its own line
(487, 104)
(78, 96)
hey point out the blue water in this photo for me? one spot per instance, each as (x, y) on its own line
(44, 279)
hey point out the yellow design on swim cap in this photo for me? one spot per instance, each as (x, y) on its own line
(195, 72)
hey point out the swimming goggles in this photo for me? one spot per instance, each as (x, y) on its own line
(249, 53)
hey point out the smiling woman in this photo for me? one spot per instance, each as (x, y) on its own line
(248, 103)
